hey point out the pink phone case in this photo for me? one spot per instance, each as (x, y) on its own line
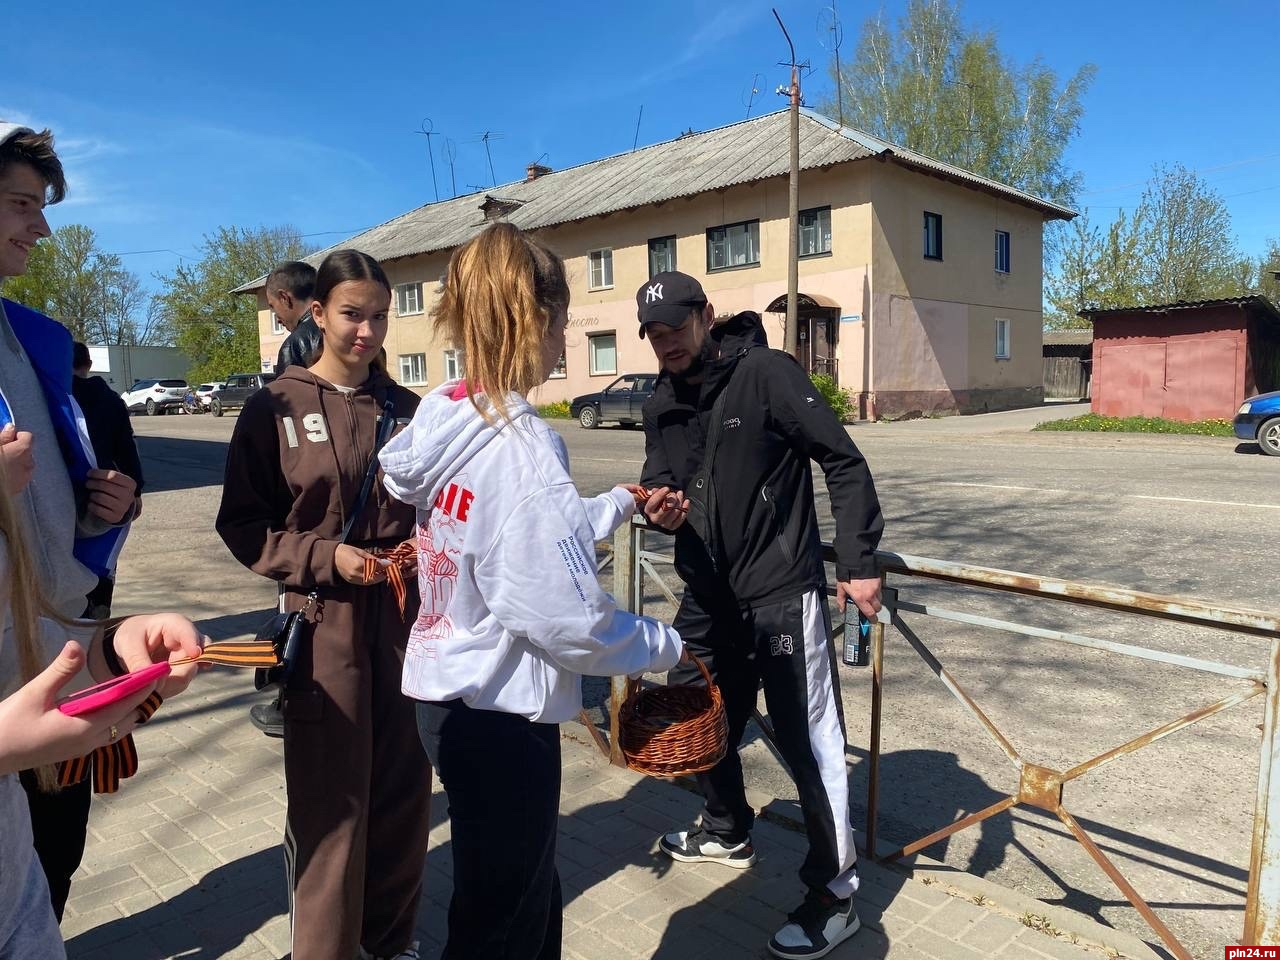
(112, 691)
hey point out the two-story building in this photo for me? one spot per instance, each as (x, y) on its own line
(920, 282)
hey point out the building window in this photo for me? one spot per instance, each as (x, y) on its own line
(733, 245)
(1002, 251)
(602, 352)
(413, 368)
(1002, 339)
(933, 236)
(408, 299)
(601, 269)
(454, 368)
(662, 255)
(276, 326)
(815, 232)
(560, 370)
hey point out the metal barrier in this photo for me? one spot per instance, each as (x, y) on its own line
(1038, 786)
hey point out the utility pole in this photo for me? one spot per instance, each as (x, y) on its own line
(791, 339)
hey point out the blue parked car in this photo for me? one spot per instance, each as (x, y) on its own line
(1259, 419)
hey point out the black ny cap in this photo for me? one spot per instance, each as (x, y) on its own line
(669, 298)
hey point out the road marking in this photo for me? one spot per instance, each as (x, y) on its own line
(604, 460)
(1219, 503)
(1002, 486)
(1129, 496)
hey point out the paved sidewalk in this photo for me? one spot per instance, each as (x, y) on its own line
(185, 862)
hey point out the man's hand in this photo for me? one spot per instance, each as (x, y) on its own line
(349, 562)
(864, 593)
(666, 508)
(19, 458)
(640, 493)
(111, 494)
(142, 641)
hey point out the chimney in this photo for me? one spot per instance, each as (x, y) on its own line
(534, 171)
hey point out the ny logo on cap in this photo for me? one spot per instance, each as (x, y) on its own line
(654, 292)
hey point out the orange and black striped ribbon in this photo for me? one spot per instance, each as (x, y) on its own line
(112, 763)
(116, 761)
(404, 560)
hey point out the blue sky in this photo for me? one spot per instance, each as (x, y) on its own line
(176, 118)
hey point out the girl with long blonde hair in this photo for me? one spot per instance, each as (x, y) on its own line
(512, 615)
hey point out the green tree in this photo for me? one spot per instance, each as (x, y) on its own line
(216, 329)
(1176, 245)
(1267, 282)
(949, 92)
(1187, 246)
(100, 301)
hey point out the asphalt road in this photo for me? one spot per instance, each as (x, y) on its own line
(1196, 517)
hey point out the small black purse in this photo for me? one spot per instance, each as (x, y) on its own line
(286, 632)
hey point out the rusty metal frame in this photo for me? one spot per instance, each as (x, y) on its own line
(1041, 786)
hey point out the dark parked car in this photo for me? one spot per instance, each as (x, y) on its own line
(1259, 419)
(238, 389)
(620, 401)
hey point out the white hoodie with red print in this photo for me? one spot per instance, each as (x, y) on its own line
(512, 614)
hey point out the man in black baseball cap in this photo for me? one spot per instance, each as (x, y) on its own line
(731, 433)
(674, 313)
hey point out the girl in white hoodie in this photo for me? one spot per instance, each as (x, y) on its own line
(512, 615)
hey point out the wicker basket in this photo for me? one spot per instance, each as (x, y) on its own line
(675, 730)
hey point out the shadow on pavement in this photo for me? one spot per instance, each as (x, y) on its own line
(173, 463)
(207, 920)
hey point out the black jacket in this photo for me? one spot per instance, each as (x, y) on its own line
(110, 430)
(753, 536)
(300, 346)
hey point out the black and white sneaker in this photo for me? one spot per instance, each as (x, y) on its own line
(815, 927)
(696, 846)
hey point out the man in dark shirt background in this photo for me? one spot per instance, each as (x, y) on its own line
(111, 433)
(289, 289)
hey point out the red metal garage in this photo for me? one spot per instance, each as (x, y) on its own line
(1184, 361)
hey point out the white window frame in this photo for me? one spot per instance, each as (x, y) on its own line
(277, 327)
(600, 269)
(1007, 254)
(938, 218)
(592, 340)
(403, 307)
(417, 369)
(455, 367)
(561, 369)
(733, 246)
(1004, 349)
(819, 229)
(670, 244)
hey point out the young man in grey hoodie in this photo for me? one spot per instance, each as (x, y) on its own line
(30, 178)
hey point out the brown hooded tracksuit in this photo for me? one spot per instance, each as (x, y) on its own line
(358, 783)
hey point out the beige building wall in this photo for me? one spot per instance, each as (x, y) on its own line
(926, 327)
(934, 321)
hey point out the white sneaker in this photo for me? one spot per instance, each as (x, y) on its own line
(815, 927)
(696, 845)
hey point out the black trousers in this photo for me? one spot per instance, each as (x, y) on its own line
(786, 646)
(501, 774)
(59, 823)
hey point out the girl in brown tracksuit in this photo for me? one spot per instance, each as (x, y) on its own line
(358, 786)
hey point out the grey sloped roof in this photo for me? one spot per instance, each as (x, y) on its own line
(739, 153)
(1068, 338)
(1255, 302)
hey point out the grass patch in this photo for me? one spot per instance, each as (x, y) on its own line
(1093, 423)
(555, 411)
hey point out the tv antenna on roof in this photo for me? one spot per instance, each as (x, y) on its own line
(427, 129)
(451, 151)
(485, 138)
(831, 35)
(751, 98)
